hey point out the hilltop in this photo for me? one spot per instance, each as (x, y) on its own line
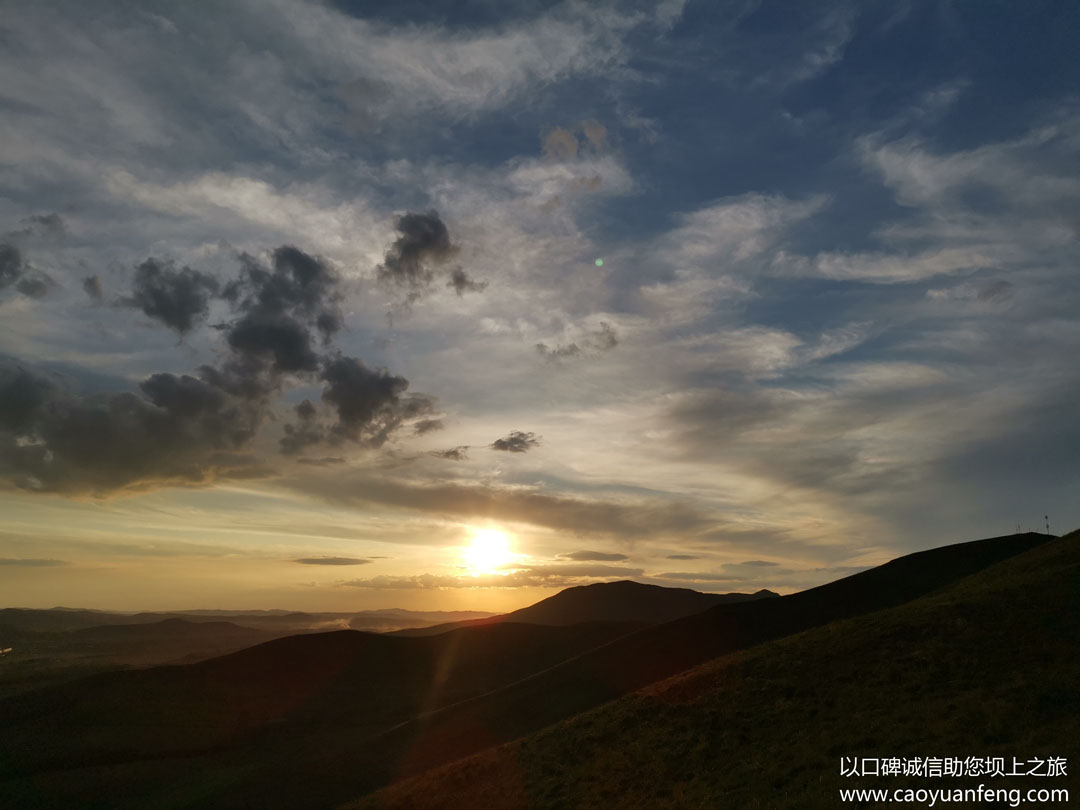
(621, 601)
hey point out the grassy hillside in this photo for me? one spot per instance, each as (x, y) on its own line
(339, 679)
(989, 666)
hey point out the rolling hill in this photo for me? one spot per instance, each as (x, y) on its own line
(287, 726)
(989, 666)
(623, 601)
(343, 678)
(166, 629)
(61, 644)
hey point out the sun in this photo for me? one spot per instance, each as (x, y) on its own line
(488, 551)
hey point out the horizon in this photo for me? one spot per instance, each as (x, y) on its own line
(339, 305)
(280, 610)
(344, 613)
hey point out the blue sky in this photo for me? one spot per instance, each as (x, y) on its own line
(835, 320)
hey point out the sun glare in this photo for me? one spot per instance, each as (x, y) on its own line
(488, 551)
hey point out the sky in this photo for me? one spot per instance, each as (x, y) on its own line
(351, 305)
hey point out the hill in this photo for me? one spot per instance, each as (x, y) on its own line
(990, 666)
(622, 601)
(166, 629)
(61, 644)
(319, 735)
(61, 620)
(346, 678)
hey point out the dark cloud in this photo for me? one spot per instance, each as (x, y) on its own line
(462, 284)
(601, 340)
(427, 426)
(177, 298)
(682, 557)
(516, 442)
(326, 461)
(11, 265)
(179, 429)
(331, 561)
(305, 432)
(594, 556)
(423, 245)
(191, 429)
(370, 404)
(277, 337)
(759, 563)
(47, 225)
(92, 287)
(204, 409)
(23, 396)
(248, 378)
(454, 453)
(286, 311)
(35, 285)
(298, 285)
(31, 563)
(282, 308)
(15, 272)
(559, 352)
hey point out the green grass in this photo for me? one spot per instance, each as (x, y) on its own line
(988, 666)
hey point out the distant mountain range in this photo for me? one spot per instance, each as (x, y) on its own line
(63, 619)
(312, 721)
(51, 646)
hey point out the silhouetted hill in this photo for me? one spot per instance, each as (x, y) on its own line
(62, 620)
(209, 728)
(622, 601)
(660, 651)
(167, 630)
(986, 667)
(57, 619)
(341, 678)
(61, 644)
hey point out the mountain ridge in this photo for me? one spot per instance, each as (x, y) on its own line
(622, 600)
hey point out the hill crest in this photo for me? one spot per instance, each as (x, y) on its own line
(621, 601)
